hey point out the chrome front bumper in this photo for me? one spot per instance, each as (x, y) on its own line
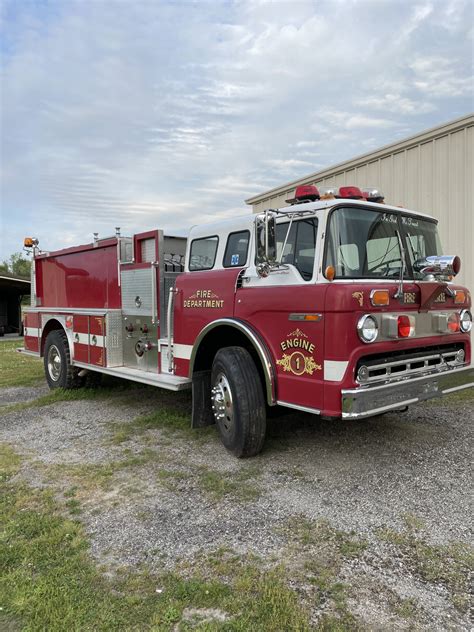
(371, 400)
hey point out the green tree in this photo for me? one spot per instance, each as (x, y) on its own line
(17, 265)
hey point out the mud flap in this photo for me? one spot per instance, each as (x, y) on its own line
(202, 412)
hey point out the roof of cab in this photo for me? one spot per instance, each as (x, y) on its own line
(244, 222)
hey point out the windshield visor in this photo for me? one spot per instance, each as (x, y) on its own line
(364, 243)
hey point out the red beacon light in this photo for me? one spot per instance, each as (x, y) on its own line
(346, 192)
(350, 192)
(304, 193)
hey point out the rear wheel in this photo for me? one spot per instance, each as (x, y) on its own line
(237, 401)
(60, 373)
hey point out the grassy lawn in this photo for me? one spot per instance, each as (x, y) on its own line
(17, 369)
(50, 582)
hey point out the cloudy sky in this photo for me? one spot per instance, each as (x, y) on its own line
(145, 114)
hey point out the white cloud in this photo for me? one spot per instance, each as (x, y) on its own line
(165, 114)
(395, 103)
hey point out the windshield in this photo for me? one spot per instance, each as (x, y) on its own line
(365, 243)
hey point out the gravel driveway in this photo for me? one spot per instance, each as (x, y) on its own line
(150, 491)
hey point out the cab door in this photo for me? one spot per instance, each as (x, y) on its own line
(287, 309)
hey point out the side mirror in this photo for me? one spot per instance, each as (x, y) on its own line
(265, 233)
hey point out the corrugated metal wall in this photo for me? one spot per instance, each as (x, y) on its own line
(432, 172)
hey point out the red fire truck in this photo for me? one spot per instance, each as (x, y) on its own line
(339, 307)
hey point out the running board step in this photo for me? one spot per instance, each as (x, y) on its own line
(162, 380)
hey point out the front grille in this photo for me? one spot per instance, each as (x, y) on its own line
(400, 365)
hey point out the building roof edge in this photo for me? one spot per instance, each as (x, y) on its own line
(433, 132)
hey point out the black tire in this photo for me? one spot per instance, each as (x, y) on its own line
(2, 331)
(238, 401)
(59, 371)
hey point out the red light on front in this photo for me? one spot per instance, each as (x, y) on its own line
(454, 323)
(456, 265)
(351, 192)
(304, 193)
(406, 326)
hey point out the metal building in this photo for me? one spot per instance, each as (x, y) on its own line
(431, 172)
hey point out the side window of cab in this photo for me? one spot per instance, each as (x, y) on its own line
(236, 249)
(202, 255)
(300, 245)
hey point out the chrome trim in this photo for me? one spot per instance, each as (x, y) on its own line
(170, 333)
(34, 354)
(170, 382)
(154, 306)
(304, 409)
(373, 400)
(426, 323)
(46, 316)
(259, 345)
(70, 310)
(444, 360)
(161, 285)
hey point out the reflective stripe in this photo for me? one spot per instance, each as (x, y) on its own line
(334, 370)
(32, 332)
(83, 339)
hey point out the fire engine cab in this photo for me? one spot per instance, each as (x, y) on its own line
(340, 306)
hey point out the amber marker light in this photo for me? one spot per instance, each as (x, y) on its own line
(330, 273)
(460, 297)
(379, 298)
(312, 317)
(28, 242)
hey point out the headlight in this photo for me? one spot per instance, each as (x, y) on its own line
(367, 328)
(465, 321)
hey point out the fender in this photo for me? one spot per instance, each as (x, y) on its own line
(256, 341)
(61, 320)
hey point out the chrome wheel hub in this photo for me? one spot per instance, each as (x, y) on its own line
(54, 363)
(222, 404)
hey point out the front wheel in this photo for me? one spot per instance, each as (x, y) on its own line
(237, 401)
(60, 373)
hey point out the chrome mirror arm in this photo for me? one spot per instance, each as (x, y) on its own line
(399, 293)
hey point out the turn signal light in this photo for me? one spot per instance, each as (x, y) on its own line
(459, 296)
(330, 273)
(454, 323)
(378, 298)
(406, 326)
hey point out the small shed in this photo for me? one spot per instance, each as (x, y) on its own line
(12, 291)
